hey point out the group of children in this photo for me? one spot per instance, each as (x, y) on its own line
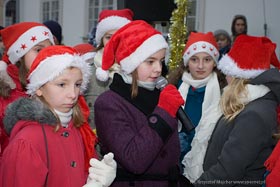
(48, 96)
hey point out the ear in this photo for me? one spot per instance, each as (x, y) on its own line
(39, 92)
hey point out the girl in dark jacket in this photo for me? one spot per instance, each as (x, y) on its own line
(242, 139)
(134, 120)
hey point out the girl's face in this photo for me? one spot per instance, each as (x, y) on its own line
(150, 69)
(239, 26)
(201, 65)
(62, 92)
(107, 36)
(222, 41)
(32, 53)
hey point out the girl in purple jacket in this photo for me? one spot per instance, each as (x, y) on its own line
(134, 120)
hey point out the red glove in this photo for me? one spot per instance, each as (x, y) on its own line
(170, 100)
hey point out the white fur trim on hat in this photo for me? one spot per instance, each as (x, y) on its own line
(146, 49)
(27, 40)
(201, 46)
(52, 67)
(229, 67)
(107, 24)
(88, 57)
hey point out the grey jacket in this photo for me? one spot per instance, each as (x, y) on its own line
(237, 150)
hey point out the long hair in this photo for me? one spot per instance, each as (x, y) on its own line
(231, 103)
(175, 76)
(134, 84)
(23, 72)
(77, 116)
(236, 17)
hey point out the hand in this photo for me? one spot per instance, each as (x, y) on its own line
(103, 171)
(170, 100)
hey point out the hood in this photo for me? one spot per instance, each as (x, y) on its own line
(28, 110)
(271, 79)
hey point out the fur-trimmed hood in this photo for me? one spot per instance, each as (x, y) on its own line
(30, 110)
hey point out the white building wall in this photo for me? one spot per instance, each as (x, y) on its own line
(212, 15)
(73, 18)
(219, 15)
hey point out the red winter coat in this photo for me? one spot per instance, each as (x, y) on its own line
(16, 93)
(24, 162)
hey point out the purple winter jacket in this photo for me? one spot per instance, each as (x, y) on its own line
(142, 136)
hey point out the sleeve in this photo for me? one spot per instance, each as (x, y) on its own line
(247, 139)
(22, 166)
(130, 135)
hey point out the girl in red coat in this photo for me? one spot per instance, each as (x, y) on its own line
(46, 146)
(22, 43)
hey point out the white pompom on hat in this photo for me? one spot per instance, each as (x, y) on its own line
(201, 42)
(19, 38)
(129, 47)
(111, 20)
(51, 62)
(249, 57)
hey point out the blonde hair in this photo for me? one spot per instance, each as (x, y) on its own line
(230, 103)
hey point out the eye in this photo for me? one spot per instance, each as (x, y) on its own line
(78, 85)
(61, 85)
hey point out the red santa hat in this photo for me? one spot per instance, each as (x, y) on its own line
(51, 62)
(19, 38)
(201, 42)
(86, 50)
(249, 57)
(111, 20)
(129, 47)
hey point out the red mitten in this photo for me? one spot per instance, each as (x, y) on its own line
(170, 100)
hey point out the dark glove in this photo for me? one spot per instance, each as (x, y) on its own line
(170, 100)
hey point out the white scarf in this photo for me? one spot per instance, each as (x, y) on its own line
(148, 85)
(194, 159)
(65, 117)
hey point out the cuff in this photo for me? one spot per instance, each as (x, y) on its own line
(160, 126)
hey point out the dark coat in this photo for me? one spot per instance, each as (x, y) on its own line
(142, 136)
(238, 149)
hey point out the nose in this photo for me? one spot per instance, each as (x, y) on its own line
(72, 92)
(158, 66)
(200, 64)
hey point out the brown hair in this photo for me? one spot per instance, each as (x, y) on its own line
(23, 73)
(77, 116)
(174, 76)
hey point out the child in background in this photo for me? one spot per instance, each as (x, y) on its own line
(22, 43)
(200, 84)
(46, 146)
(223, 41)
(134, 120)
(108, 23)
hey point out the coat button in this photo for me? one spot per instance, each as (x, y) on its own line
(73, 164)
(65, 134)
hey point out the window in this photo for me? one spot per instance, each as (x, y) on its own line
(95, 7)
(50, 10)
(191, 18)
